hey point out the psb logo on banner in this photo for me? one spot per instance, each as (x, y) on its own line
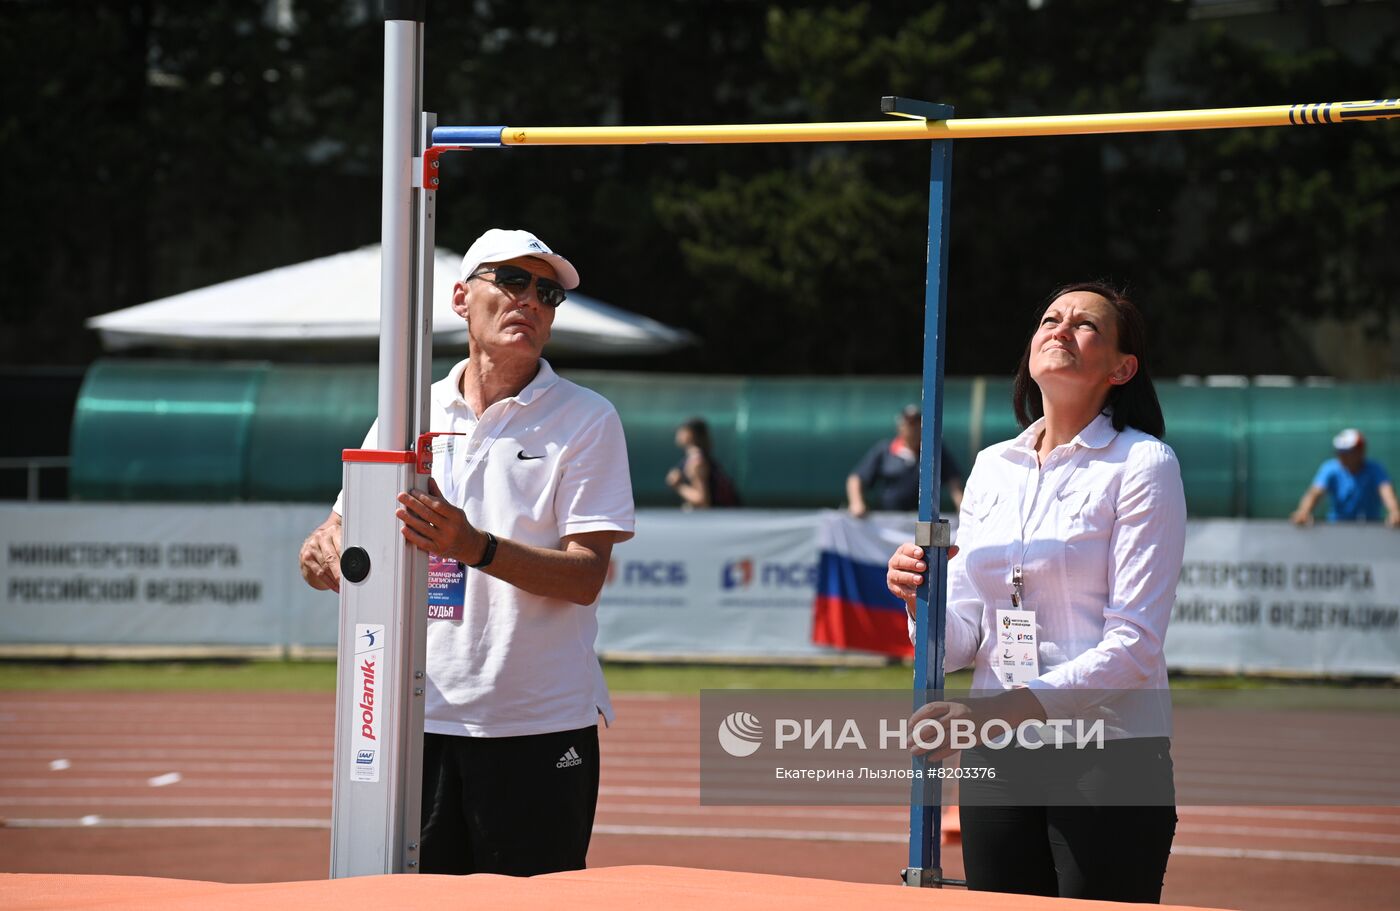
(737, 574)
(784, 584)
(367, 700)
(744, 573)
(646, 574)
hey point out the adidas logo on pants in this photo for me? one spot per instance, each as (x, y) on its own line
(569, 759)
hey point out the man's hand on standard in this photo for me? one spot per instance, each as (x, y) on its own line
(320, 556)
(432, 524)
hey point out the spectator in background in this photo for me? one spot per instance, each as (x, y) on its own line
(697, 477)
(889, 473)
(1355, 486)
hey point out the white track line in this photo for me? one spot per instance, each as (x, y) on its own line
(63, 783)
(894, 816)
(1237, 787)
(165, 800)
(1286, 834)
(682, 832)
(624, 791)
(1321, 815)
(894, 838)
(165, 755)
(628, 761)
(323, 764)
(1312, 783)
(184, 822)
(1289, 856)
(167, 709)
(736, 832)
(144, 740)
(1195, 753)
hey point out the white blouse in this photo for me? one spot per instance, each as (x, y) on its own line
(1098, 531)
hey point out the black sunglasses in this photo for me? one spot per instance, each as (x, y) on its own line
(517, 281)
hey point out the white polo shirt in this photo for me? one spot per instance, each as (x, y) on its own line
(1099, 530)
(548, 462)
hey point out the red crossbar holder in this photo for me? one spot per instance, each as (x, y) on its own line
(421, 456)
(424, 461)
(431, 154)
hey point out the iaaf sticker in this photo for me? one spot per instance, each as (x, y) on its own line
(366, 694)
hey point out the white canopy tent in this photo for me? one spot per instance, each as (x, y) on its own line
(334, 301)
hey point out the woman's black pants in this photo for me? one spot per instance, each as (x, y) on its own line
(1091, 823)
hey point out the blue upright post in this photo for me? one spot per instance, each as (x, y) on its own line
(925, 820)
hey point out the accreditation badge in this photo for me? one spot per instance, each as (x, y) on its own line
(447, 588)
(1016, 657)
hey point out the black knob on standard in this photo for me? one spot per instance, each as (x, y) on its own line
(354, 564)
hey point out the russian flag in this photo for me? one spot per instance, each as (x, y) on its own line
(853, 608)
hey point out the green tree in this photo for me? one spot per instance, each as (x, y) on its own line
(148, 147)
(846, 225)
(1279, 226)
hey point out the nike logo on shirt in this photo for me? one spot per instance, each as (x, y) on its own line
(525, 458)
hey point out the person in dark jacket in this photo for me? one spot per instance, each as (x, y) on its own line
(697, 478)
(889, 472)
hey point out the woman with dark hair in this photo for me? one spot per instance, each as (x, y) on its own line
(1070, 542)
(1132, 403)
(697, 478)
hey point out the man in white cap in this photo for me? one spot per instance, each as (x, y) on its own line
(1355, 485)
(531, 499)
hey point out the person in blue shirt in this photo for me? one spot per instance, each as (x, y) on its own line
(889, 472)
(1356, 486)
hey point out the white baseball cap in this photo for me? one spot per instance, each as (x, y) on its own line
(498, 245)
(1348, 439)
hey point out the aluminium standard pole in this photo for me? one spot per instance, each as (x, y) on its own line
(381, 668)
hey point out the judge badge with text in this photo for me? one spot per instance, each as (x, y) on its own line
(447, 586)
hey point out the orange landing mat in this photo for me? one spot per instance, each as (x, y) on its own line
(601, 889)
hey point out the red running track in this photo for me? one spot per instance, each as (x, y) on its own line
(237, 788)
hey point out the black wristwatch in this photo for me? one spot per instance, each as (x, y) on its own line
(488, 554)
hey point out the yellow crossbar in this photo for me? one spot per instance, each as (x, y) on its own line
(974, 128)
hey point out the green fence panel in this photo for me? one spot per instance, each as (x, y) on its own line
(157, 430)
(305, 416)
(1206, 427)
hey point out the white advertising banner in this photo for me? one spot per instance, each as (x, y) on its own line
(1254, 595)
(108, 573)
(1265, 596)
(724, 582)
